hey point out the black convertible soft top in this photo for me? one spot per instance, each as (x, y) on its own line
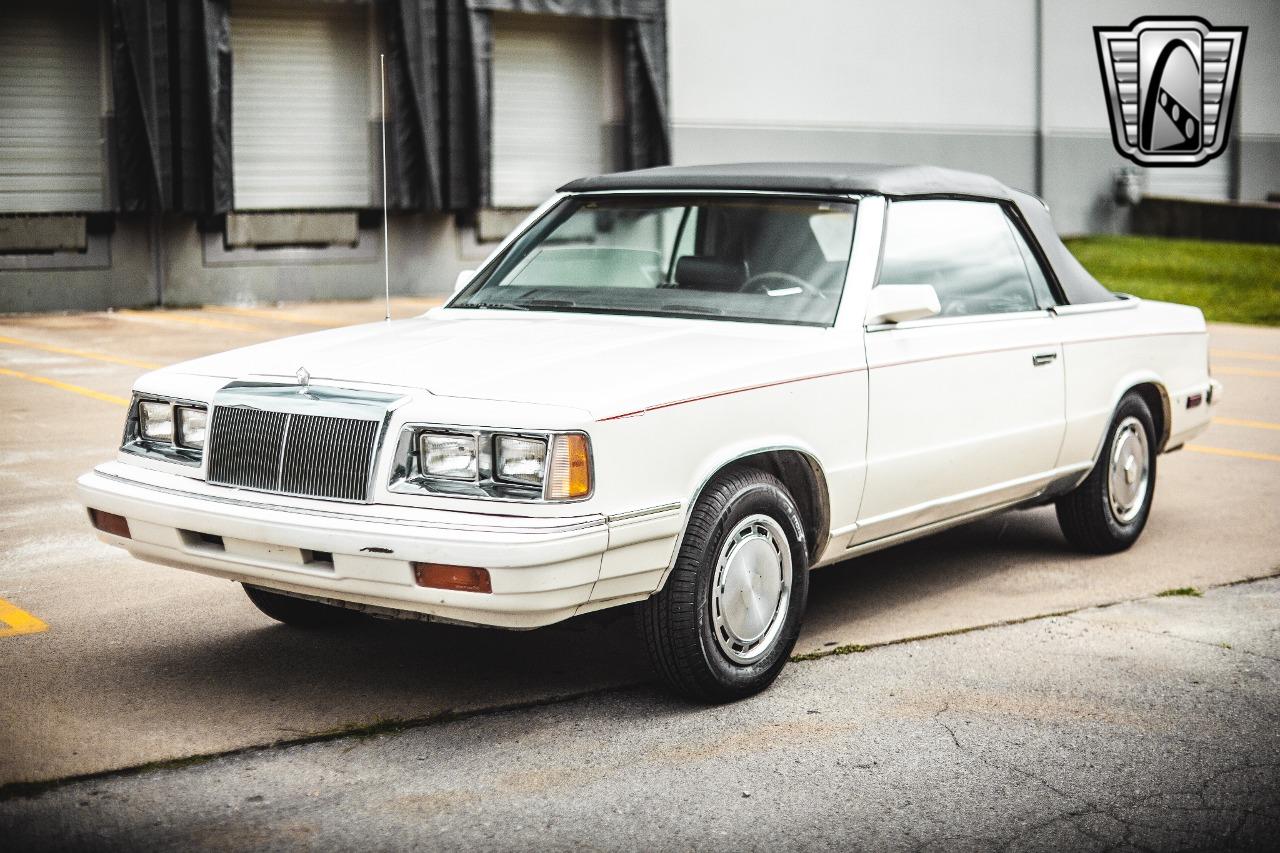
(895, 181)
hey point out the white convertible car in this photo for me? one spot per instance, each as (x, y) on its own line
(684, 387)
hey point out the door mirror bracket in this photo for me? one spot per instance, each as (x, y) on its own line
(463, 279)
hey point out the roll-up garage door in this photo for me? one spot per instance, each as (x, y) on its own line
(300, 105)
(1212, 180)
(51, 151)
(554, 105)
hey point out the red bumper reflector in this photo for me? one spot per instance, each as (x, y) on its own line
(461, 578)
(107, 522)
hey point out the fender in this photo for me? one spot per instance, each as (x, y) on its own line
(736, 453)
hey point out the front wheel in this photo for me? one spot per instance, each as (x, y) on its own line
(1107, 512)
(725, 623)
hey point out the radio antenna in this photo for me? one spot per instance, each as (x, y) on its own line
(386, 236)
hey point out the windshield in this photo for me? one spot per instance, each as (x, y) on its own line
(758, 259)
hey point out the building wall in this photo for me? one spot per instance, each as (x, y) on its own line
(298, 155)
(116, 272)
(954, 84)
(965, 85)
(427, 253)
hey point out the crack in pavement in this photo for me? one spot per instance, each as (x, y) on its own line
(1126, 812)
(13, 790)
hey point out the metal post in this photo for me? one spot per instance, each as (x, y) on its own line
(386, 236)
(1040, 87)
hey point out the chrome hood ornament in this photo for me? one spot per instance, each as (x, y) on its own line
(304, 377)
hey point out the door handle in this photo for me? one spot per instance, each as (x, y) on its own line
(1042, 358)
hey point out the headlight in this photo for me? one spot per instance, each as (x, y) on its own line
(452, 457)
(155, 420)
(193, 426)
(168, 430)
(519, 460)
(462, 461)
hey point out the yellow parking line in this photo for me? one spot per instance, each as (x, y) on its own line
(1242, 422)
(169, 317)
(1247, 356)
(19, 621)
(95, 356)
(1245, 371)
(267, 314)
(65, 386)
(1242, 454)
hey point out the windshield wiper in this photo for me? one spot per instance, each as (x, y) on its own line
(497, 306)
(526, 304)
(692, 309)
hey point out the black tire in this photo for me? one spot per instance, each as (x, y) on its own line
(298, 612)
(1086, 515)
(677, 622)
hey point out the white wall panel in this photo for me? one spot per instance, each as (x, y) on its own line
(300, 106)
(51, 148)
(921, 63)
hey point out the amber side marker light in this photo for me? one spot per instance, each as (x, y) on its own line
(108, 522)
(461, 578)
(570, 467)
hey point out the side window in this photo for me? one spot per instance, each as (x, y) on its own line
(965, 249)
(1039, 283)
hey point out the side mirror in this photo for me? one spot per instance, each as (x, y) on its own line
(897, 303)
(463, 279)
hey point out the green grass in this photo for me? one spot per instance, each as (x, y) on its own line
(851, 649)
(1182, 590)
(1230, 282)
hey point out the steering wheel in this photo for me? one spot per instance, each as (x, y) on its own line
(756, 283)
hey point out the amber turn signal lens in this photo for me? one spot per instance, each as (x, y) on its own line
(461, 578)
(107, 522)
(570, 467)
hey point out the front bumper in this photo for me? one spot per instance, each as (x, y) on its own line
(542, 570)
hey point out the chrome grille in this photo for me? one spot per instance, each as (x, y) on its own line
(323, 457)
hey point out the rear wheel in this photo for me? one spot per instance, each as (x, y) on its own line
(297, 612)
(725, 623)
(1107, 512)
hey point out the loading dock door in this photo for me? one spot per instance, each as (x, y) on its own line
(300, 105)
(1211, 181)
(555, 93)
(51, 147)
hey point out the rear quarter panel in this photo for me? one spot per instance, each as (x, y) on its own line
(1107, 352)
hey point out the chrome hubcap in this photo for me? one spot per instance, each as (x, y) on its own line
(1128, 472)
(751, 589)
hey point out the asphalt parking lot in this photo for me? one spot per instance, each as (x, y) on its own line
(111, 664)
(1149, 725)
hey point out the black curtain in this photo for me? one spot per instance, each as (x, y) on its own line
(142, 129)
(171, 83)
(417, 159)
(201, 33)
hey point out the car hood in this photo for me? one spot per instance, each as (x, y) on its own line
(604, 365)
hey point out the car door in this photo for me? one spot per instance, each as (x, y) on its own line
(966, 409)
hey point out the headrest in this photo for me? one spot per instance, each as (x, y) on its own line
(697, 272)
